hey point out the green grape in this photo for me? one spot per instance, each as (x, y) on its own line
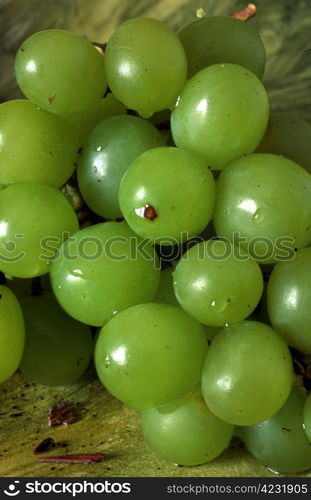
(112, 146)
(12, 333)
(34, 220)
(166, 295)
(217, 286)
(145, 65)
(150, 355)
(280, 443)
(289, 299)
(102, 270)
(165, 292)
(61, 72)
(186, 433)
(289, 135)
(248, 374)
(264, 201)
(84, 121)
(307, 416)
(58, 349)
(221, 114)
(220, 39)
(167, 194)
(35, 146)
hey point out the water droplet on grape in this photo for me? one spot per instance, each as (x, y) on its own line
(258, 216)
(107, 361)
(99, 148)
(219, 305)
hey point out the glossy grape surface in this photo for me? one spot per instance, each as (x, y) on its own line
(186, 433)
(177, 185)
(266, 200)
(58, 349)
(248, 374)
(102, 270)
(289, 135)
(280, 443)
(215, 286)
(61, 72)
(112, 146)
(145, 65)
(221, 39)
(289, 299)
(221, 114)
(12, 333)
(35, 147)
(34, 221)
(150, 355)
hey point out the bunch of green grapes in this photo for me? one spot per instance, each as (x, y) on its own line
(192, 196)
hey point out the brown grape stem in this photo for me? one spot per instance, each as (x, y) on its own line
(246, 13)
(81, 458)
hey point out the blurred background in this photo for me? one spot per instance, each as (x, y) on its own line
(284, 25)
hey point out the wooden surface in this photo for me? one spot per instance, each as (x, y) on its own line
(104, 424)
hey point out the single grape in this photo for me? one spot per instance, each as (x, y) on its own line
(12, 333)
(61, 72)
(221, 114)
(186, 433)
(220, 39)
(145, 65)
(280, 443)
(248, 374)
(217, 285)
(263, 203)
(307, 417)
(58, 349)
(34, 221)
(289, 135)
(150, 355)
(35, 147)
(289, 299)
(112, 146)
(102, 270)
(167, 194)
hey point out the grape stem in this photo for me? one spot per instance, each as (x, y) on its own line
(246, 13)
(82, 458)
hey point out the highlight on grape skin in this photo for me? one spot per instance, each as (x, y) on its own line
(155, 220)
